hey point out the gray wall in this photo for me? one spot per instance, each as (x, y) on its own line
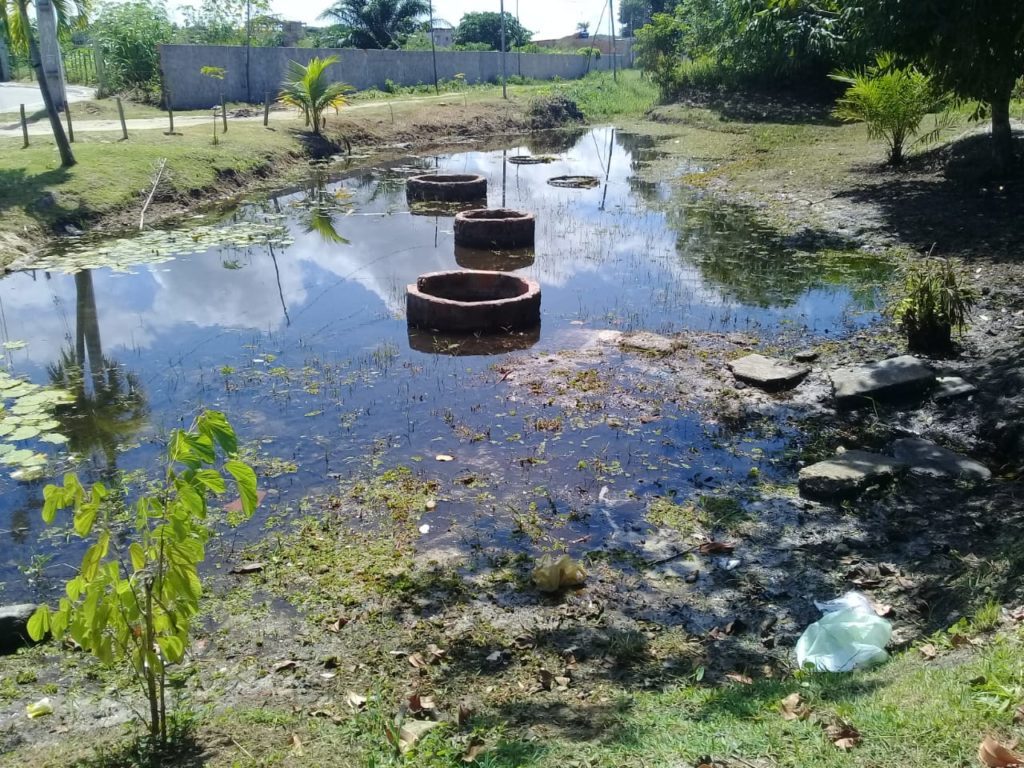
(189, 89)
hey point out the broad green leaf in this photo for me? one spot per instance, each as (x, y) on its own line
(85, 518)
(172, 647)
(247, 486)
(211, 479)
(39, 623)
(215, 425)
(138, 556)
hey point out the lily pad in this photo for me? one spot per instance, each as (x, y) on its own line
(25, 432)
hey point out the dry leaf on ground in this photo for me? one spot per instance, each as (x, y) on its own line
(996, 755)
(794, 707)
(738, 678)
(843, 735)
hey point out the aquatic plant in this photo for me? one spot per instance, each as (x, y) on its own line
(933, 300)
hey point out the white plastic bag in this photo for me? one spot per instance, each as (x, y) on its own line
(849, 636)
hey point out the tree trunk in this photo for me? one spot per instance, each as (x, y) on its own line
(66, 158)
(1002, 135)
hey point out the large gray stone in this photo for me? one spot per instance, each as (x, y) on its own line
(650, 343)
(14, 626)
(847, 475)
(926, 458)
(949, 387)
(767, 372)
(895, 377)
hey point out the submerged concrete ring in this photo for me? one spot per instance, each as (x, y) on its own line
(495, 228)
(446, 187)
(575, 182)
(473, 301)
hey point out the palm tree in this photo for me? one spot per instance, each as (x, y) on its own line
(307, 88)
(71, 15)
(377, 23)
(67, 159)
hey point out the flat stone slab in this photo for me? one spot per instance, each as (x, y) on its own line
(14, 626)
(767, 372)
(926, 458)
(948, 387)
(848, 475)
(895, 377)
(651, 343)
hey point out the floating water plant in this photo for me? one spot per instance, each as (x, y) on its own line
(160, 245)
(27, 414)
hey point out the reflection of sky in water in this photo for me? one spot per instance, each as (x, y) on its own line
(602, 257)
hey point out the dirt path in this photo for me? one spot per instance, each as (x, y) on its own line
(42, 128)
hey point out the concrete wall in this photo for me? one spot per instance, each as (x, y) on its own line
(189, 89)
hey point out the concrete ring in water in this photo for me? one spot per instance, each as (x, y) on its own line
(531, 159)
(473, 302)
(495, 228)
(471, 344)
(494, 261)
(575, 182)
(446, 187)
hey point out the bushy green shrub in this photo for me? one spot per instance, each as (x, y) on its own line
(892, 101)
(129, 35)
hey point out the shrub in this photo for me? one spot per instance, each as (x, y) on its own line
(892, 102)
(934, 300)
(134, 597)
(129, 35)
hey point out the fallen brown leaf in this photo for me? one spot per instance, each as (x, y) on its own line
(337, 625)
(355, 700)
(476, 748)
(843, 735)
(297, 746)
(794, 707)
(1018, 715)
(283, 666)
(416, 660)
(996, 755)
(546, 679)
(737, 677)
(465, 713)
(412, 731)
(929, 651)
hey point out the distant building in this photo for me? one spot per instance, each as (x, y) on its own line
(443, 34)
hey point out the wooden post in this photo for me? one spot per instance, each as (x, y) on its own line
(120, 113)
(266, 109)
(170, 116)
(71, 128)
(24, 126)
(224, 113)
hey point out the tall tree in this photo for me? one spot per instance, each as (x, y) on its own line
(976, 49)
(485, 27)
(67, 159)
(71, 15)
(377, 23)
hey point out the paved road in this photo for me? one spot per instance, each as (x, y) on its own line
(14, 94)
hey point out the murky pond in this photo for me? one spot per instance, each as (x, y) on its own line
(296, 330)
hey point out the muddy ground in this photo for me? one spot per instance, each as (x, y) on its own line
(329, 613)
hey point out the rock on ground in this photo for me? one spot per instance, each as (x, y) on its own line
(767, 372)
(651, 343)
(895, 377)
(14, 626)
(948, 387)
(927, 458)
(847, 475)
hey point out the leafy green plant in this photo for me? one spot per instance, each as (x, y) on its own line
(308, 88)
(893, 102)
(933, 301)
(134, 597)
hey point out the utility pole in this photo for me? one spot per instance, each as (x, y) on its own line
(615, 63)
(520, 52)
(504, 72)
(248, 50)
(433, 48)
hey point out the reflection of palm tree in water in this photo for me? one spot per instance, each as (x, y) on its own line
(109, 402)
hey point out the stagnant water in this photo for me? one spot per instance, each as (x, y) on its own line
(305, 346)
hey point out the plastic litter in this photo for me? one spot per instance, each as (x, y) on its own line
(40, 708)
(849, 636)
